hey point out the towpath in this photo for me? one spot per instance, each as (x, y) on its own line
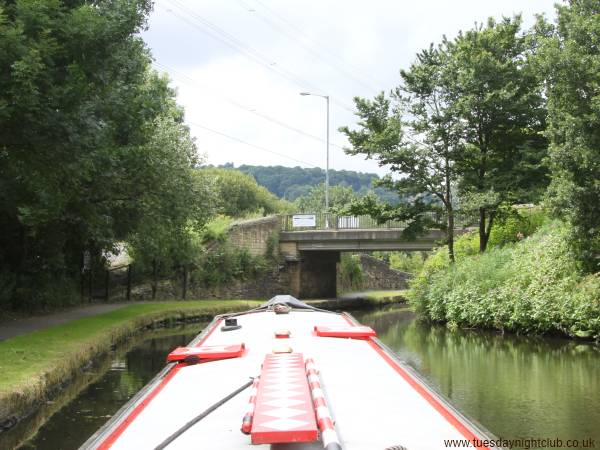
(17, 327)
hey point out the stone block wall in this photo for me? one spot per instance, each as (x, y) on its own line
(377, 275)
(254, 234)
(263, 288)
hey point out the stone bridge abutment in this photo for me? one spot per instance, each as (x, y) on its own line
(308, 258)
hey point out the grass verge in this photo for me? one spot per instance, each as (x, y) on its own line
(367, 299)
(385, 297)
(33, 365)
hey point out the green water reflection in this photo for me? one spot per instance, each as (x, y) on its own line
(123, 374)
(516, 387)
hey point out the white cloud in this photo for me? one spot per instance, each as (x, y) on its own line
(377, 37)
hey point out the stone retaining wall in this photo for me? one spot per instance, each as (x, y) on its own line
(254, 234)
(377, 275)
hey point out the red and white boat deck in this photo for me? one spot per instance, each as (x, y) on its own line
(360, 394)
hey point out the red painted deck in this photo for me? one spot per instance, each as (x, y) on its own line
(284, 411)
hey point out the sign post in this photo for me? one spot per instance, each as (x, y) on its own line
(304, 220)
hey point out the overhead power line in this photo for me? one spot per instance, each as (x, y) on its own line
(258, 147)
(235, 103)
(310, 48)
(331, 54)
(217, 33)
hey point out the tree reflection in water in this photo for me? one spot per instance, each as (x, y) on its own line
(516, 386)
(528, 387)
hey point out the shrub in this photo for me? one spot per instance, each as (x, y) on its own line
(350, 271)
(411, 262)
(533, 286)
(225, 263)
(516, 225)
(216, 230)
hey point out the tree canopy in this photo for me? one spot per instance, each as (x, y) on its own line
(238, 194)
(92, 144)
(571, 63)
(466, 119)
(314, 202)
(496, 98)
(289, 183)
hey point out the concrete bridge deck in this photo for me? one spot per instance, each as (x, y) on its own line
(360, 240)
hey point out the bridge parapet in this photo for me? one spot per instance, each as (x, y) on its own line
(329, 221)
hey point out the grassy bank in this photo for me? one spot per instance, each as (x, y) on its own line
(385, 297)
(34, 364)
(530, 286)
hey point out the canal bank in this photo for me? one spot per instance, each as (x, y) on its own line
(516, 386)
(36, 366)
(85, 402)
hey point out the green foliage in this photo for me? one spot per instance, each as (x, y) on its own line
(350, 271)
(290, 183)
(514, 225)
(93, 150)
(314, 201)
(176, 208)
(272, 251)
(381, 135)
(571, 61)
(500, 112)
(239, 195)
(410, 262)
(476, 107)
(533, 286)
(225, 263)
(216, 230)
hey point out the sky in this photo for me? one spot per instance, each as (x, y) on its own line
(238, 67)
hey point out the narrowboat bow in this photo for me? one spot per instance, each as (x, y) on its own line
(287, 376)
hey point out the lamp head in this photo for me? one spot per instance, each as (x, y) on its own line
(304, 93)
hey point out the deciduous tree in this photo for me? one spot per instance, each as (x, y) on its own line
(495, 94)
(572, 66)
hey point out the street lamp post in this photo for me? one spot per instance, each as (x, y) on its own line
(326, 97)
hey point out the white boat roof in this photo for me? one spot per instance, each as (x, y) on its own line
(376, 401)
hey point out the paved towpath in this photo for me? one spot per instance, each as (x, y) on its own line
(17, 327)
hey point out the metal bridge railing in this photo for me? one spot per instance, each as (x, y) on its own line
(329, 221)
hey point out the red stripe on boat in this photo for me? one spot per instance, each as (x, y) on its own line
(424, 392)
(329, 436)
(284, 411)
(118, 431)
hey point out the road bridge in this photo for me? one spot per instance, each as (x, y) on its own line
(311, 246)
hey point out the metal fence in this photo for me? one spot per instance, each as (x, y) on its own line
(113, 283)
(329, 221)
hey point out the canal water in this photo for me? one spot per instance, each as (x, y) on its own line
(517, 387)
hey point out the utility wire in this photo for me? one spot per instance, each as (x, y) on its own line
(308, 47)
(330, 54)
(258, 147)
(217, 33)
(194, 82)
(264, 116)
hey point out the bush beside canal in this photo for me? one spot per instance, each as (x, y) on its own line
(529, 286)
